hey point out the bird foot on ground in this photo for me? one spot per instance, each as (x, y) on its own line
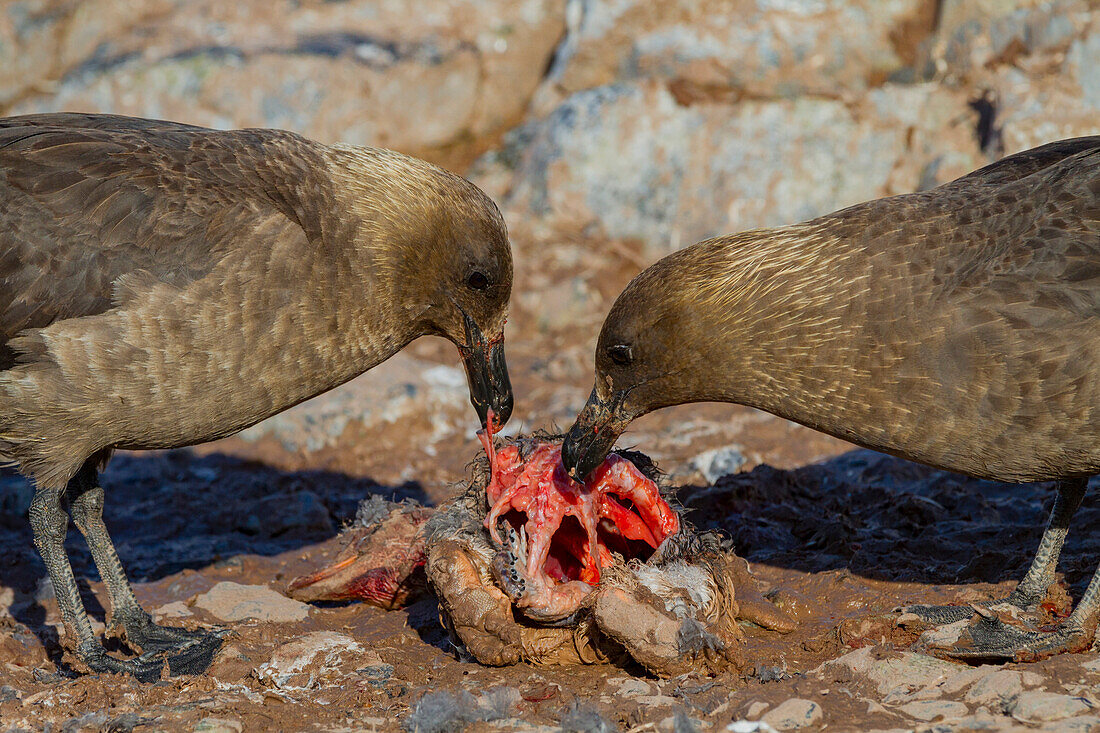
(193, 655)
(1056, 604)
(920, 617)
(152, 637)
(994, 635)
(196, 656)
(146, 668)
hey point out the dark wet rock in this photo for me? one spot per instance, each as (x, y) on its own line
(15, 496)
(301, 514)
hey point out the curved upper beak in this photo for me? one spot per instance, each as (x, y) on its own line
(593, 434)
(487, 375)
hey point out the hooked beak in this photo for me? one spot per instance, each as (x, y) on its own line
(593, 434)
(487, 375)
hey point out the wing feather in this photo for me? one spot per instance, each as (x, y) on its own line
(92, 199)
(1023, 164)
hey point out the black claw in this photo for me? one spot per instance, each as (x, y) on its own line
(196, 658)
(141, 630)
(145, 668)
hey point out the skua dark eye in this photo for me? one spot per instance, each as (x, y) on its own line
(621, 354)
(477, 281)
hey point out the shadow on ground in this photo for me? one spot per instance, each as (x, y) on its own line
(879, 517)
(174, 510)
(890, 519)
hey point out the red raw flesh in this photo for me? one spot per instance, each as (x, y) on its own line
(617, 504)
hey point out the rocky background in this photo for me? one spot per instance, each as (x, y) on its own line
(611, 132)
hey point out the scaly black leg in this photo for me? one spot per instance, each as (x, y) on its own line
(1033, 588)
(990, 639)
(195, 649)
(50, 525)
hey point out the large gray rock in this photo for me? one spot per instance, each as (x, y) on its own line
(629, 161)
(935, 710)
(974, 35)
(1036, 706)
(1034, 62)
(1002, 684)
(719, 49)
(408, 75)
(889, 671)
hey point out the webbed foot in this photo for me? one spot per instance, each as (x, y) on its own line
(1036, 608)
(991, 635)
(196, 656)
(142, 631)
(185, 651)
(146, 668)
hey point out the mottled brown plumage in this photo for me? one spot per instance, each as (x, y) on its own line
(163, 285)
(958, 327)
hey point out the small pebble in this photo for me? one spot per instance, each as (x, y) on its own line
(634, 688)
(793, 714)
(929, 710)
(1036, 706)
(999, 685)
(756, 709)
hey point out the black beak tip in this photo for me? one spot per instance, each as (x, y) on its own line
(490, 388)
(503, 412)
(579, 459)
(569, 456)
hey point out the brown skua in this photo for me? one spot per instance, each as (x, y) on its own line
(163, 285)
(958, 327)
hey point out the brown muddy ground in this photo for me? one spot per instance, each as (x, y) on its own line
(846, 540)
(846, 535)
